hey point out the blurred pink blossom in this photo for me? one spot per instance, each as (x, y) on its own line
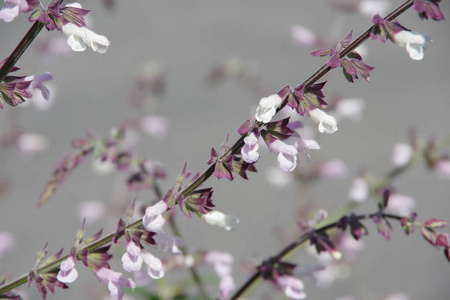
(91, 211)
(303, 37)
(373, 7)
(292, 287)
(156, 126)
(359, 190)
(333, 169)
(401, 204)
(7, 242)
(12, 8)
(30, 144)
(442, 168)
(116, 282)
(350, 108)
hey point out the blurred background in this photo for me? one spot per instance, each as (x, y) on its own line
(184, 42)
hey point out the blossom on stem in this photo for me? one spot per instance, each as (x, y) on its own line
(267, 108)
(153, 219)
(155, 267)
(402, 154)
(250, 150)
(80, 37)
(131, 260)
(327, 123)
(222, 263)
(116, 282)
(286, 154)
(37, 83)
(414, 43)
(67, 272)
(228, 222)
(12, 8)
(292, 287)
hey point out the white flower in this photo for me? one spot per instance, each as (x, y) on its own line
(250, 150)
(373, 7)
(67, 272)
(359, 190)
(154, 264)
(415, 43)
(153, 219)
(402, 154)
(228, 222)
(350, 108)
(327, 123)
(267, 108)
(286, 154)
(80, 37)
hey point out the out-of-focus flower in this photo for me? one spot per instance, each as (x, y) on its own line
(267, 108)
(116, 282)
(37, 83)
(414, 43)
(373, 7)
(278, 178)
(67, 272)
(30, 144)
(359, 190)
(91, 210)
(12, 8)
(442, 168)
(223, 265)
(7, 242)
(327, 123)
(350, 108)
(228, 222)
(402, 154)
(401, 204)
(80, 37)
(397, 296)
(292, 287)
(156, 126)
(333, 169)
(303, 37)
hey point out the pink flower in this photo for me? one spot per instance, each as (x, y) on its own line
(91, 210)
(116, 282)
(286, 155)
(250, 150)
(401, 204)
(131, 260)
(156, 126)
(7, 242)
(443, 168)
(223, 264)
(168, 244)
(155, 267)
(302, 36)
(153, 219)
(333, 169)
(292, 287)
(359, 190)
(12, 8)
(67, 272)
(29, 143)
(37, 83)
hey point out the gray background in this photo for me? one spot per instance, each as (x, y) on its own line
(189, 38)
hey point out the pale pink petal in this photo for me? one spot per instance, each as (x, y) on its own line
(154, 264)
(359, 190)
(7, 242)
(401, 204)
(333, 169)
(67, 272)
(292, 287)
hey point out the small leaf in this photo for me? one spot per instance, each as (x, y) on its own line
(435, 223)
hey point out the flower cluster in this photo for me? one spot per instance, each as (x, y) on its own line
(113, 150)
(414, 43)
(15, 89)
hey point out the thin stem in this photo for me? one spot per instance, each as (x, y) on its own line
(356, 43)
(294, 245)
(20, 49)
